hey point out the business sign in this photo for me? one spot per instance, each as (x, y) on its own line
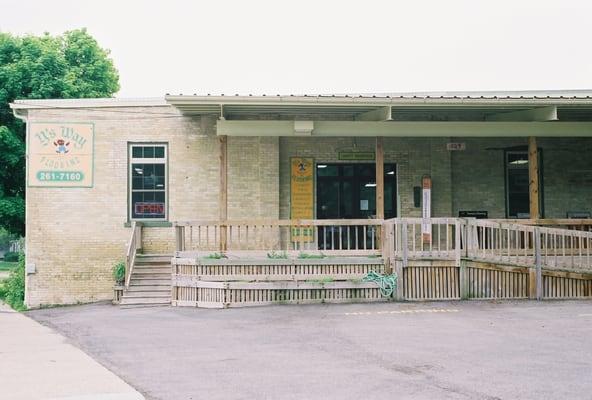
(426, 212)
(60, 154)
(302, 196)
(149, 209)
(356, 156)
(456, 146)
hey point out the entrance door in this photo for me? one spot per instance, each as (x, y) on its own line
(348, 191)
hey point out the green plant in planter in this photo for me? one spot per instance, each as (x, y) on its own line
(277, 255)
(119, 272)
(215, 256)
(311, 256)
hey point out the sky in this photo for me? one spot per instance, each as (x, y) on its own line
(312, 47)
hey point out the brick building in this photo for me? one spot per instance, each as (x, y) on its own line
(230, 158)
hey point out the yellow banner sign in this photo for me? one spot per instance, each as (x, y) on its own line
(302, 196)
(60, 154)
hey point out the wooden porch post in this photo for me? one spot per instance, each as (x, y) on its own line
(379, 178)
(533, 178)
(223, 199)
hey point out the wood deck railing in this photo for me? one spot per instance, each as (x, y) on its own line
(402, 239)
(562, 223)
(134, 244)
(331, 237)
(434, 259)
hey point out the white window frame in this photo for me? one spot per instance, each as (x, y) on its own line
(163, 160)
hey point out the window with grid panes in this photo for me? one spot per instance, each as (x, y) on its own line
(148, 181)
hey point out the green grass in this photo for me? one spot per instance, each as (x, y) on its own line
(7, 266)
(311, 256)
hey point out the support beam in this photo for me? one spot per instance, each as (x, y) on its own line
(223, 197)
(409, 129)
(534, 114)
(379, 178)
(533, 177)
(380, 114)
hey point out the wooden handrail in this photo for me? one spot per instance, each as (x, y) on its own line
(282, 222)
(134, 244)
(548, 221)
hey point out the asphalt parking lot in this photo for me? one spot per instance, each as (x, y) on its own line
(453, 350)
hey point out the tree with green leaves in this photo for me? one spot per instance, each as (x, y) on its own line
(72, 65)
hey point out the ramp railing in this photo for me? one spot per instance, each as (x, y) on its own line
(330, 237)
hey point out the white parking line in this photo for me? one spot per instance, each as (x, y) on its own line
(420, 311)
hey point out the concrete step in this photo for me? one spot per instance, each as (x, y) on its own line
(125, 306)
(153, 258)
(149, 288)
(152, 268)
(146, 295)
(140, 301)
(150, 281)
(148, 263)
(154, 275)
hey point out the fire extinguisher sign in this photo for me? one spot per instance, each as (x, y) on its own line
(426, 212)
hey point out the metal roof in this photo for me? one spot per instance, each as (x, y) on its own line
(570, 105)
(89, 103)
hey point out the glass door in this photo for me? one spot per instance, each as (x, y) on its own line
(348, 191)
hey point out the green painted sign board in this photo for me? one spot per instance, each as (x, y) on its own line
(356, 156)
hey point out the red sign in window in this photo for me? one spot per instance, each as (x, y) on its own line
(147, 208)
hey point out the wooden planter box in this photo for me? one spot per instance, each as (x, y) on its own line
(243, 294)
(223, 283)
(336, 268)
(117, 293)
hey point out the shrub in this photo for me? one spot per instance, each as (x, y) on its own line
(277, 256)
(12, 290)
(11, 256)
(215, 256)
(119, 272)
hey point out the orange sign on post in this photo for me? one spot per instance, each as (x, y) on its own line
(302, 196)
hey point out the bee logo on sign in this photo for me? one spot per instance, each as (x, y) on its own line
(60, 154)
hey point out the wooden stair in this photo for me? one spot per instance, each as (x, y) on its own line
(150, 282)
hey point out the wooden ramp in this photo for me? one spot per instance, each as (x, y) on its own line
(433, 259)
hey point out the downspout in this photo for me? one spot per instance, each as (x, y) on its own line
(23, 116)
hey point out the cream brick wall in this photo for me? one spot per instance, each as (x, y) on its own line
(253, 180)
(75, 235)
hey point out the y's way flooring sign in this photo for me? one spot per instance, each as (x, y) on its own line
(60, 154)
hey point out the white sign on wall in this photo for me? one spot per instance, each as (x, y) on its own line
(456, 146)
(426, 212)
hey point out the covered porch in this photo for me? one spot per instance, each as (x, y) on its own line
(459, 196)
(485, 155)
